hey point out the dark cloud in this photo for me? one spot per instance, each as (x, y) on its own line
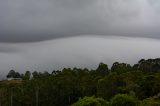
(73, 30)
(37, 20)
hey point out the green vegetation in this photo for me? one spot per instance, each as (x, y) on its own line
(91, 101)
(122, 85)
(124, 100)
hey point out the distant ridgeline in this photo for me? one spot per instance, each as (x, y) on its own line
(122, 85)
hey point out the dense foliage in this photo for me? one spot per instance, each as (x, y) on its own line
(91, 101)
(124, 100)
(123, 84)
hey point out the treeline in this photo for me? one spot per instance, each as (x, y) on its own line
(122, 85)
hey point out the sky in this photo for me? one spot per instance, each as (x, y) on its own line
(53, 34)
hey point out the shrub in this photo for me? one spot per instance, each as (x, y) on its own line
(124, 100)
(152, 101)
(91, 101)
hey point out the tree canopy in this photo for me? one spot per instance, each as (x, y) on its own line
(78, 87)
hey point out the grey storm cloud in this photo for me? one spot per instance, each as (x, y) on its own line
(38, 20)
(53, 34)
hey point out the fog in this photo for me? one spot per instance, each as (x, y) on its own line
(82, 52)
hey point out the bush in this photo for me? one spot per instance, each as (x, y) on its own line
(124, 100)
(152, 101)
(91, 101)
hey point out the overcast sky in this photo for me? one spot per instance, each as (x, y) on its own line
(52, 34)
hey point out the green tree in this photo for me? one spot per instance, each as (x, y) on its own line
(11, 74)
(102, 69)
(120, 67)
(17, 75)
(27, 75)
(35, 74)
(149, 86)
(110, 85)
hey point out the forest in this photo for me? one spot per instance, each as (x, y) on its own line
(120, 85)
